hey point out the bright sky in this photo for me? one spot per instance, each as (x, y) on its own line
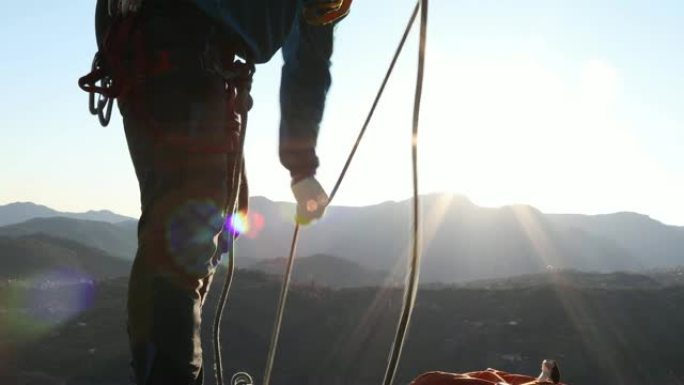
(567, 105)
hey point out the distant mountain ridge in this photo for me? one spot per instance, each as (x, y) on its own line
(638, 233)
(29, 256)
(22, 211)
(117, 239)
(461, 241)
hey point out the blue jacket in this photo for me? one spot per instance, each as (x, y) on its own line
(265, 26)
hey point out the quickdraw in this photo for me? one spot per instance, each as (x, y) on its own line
(123, 63)
(108, 70)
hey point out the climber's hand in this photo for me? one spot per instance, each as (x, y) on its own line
(311, 200)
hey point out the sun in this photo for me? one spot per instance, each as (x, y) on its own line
(518, 129)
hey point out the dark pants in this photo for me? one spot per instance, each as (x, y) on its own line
(175, 119)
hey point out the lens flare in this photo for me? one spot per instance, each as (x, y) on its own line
(237, 224)
(256, 225)
(191, 225)
(60, 296)
(34, 306)
(249, 225)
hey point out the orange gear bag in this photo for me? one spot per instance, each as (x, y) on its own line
(485, 377)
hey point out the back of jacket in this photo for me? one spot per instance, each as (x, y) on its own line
(262, 25)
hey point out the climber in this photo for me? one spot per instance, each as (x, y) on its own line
(184, 95)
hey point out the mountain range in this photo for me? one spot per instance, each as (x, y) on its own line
(461, 241)
(40, 255)
(22, 211)
(117, 239)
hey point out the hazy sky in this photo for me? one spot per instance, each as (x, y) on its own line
(570, 106)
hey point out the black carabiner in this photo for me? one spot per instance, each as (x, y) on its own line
(102, 107)
(105, 104)
(91, 94)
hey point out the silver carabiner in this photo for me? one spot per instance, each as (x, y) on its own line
(241, 378)
(105, 105)
(92, 107)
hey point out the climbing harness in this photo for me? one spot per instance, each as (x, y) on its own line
(123, 63)
(109, 71)
(242, 378)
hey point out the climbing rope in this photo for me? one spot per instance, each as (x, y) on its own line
(414, 267)
(243, 103)
(243, 378)
(378, 96)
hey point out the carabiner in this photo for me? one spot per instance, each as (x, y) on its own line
(241, 378)
(102, 107)
(105, 103)
(92, 107)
